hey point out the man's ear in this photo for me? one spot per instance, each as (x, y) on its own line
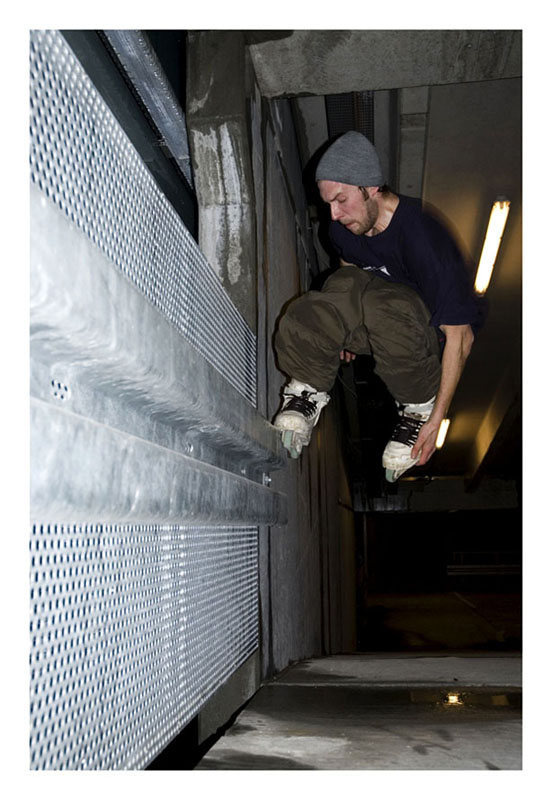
(369, 192)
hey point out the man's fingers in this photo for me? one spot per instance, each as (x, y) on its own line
(346, 356)
(424, 445)
(426, 455)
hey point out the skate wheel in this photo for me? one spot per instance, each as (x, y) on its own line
(391, 475)
(289, 444)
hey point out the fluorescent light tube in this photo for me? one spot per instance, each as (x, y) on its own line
(495, 229)
(443, 428)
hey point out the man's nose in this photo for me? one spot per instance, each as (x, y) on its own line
(335, 212)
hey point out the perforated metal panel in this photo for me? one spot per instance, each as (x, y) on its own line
(84, 162)
(132, 629)
(133, 626)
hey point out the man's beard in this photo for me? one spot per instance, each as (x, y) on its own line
(360, 227)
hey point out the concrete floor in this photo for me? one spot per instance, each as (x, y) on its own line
(381, 712)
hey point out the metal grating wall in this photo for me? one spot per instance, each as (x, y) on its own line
(132, 628)
(134, 622)
(83, 161)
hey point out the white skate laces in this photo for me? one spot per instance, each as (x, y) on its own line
(299, 413)
(397, 457)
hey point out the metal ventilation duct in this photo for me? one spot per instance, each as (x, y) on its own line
(353, 111)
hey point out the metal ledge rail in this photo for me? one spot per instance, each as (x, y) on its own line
(101, 351)
(149, 469)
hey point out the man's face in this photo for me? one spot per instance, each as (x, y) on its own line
(356, 210)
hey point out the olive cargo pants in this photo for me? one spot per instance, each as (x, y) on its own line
(361, 312)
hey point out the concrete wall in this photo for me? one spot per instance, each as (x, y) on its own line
(302, 585)
(307, 567)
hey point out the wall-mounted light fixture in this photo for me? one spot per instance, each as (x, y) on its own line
(453, 699)
(495, 229)
(443, 428)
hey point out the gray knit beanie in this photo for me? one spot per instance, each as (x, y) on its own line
(351, 159)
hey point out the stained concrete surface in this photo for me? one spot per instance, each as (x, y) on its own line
(381, 712)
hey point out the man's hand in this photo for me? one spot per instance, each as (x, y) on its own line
(347, 356)
(425, 443)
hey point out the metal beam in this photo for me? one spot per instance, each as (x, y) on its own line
(140, 62)
(83, 471)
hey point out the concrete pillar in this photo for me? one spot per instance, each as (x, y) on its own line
(216, 114)
(413, 121)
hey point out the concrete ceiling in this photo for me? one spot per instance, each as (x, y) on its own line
(454, 139)
(295, 63)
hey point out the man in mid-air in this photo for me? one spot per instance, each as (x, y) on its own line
(402, 294)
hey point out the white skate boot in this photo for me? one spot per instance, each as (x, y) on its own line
(301, 407)
(396, 457)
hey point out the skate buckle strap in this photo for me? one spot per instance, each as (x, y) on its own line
(301, 403)
(406, 430)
